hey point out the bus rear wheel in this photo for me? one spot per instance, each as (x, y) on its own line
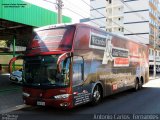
(97, 95)
(136, 85)
(140, 85)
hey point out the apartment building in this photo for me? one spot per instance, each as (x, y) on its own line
(114, 16)
(141, 22)
(108, 15)
(98, 13)
(136, 19)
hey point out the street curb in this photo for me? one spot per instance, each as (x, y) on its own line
(18, 107)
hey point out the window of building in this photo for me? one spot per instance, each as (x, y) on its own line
(110, 1)
(119, 18)
(152, 52)
(156, 53)
(122, 29)
(119, 29)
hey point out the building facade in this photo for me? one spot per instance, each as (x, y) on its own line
(136, 19)
(141, 22)
(98, 13)
(114, 16)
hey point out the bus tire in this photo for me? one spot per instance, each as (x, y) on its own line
(97, 95)
(136, 88)
(140, 83)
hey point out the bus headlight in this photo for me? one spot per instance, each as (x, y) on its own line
(26, 94)
(63, 96)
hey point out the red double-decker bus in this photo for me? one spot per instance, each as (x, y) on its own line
(70, 65)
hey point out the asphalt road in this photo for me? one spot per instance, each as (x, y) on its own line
(120, 106)
(10, 94)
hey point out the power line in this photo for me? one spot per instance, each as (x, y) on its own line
(83, 10)
(111, 19)
(76, 6)
(138, 15)
(81, 16)
(93, 8)
(59, 4)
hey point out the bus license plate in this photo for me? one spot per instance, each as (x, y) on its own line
(40, 103)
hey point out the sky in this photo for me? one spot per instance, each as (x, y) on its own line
(76, 9)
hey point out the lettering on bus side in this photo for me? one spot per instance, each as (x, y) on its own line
(98, 41)
(117, 52)
(111, 53)
(102, 42)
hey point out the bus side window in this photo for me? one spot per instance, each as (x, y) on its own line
(77, 70)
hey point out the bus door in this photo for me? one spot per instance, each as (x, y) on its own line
(77, 81)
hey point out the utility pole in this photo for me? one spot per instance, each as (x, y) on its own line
(154, 57)
(59, 5)
(14, 54)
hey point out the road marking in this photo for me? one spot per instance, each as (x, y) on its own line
(18, 107)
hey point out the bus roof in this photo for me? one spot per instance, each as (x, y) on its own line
(52, 26)
(82, 24)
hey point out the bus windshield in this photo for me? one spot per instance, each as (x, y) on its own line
(54, 39)
(42, 71)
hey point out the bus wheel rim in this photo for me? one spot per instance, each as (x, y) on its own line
(96, 95)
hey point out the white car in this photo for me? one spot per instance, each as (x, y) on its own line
(16, 76)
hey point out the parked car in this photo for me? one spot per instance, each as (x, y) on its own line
(16, 76)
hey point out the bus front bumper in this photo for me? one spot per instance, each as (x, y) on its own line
(66, 103)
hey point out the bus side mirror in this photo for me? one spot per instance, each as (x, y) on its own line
(62, 58)
(12, 61)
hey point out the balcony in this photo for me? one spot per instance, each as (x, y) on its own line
(115, 3)
(153, 4)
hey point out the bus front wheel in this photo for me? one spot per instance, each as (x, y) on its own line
(97, 95)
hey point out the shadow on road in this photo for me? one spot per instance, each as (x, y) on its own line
(128, 102)
(145, 101)
(88, 106)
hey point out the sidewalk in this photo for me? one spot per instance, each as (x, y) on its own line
(152, 78)
(153, 82)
